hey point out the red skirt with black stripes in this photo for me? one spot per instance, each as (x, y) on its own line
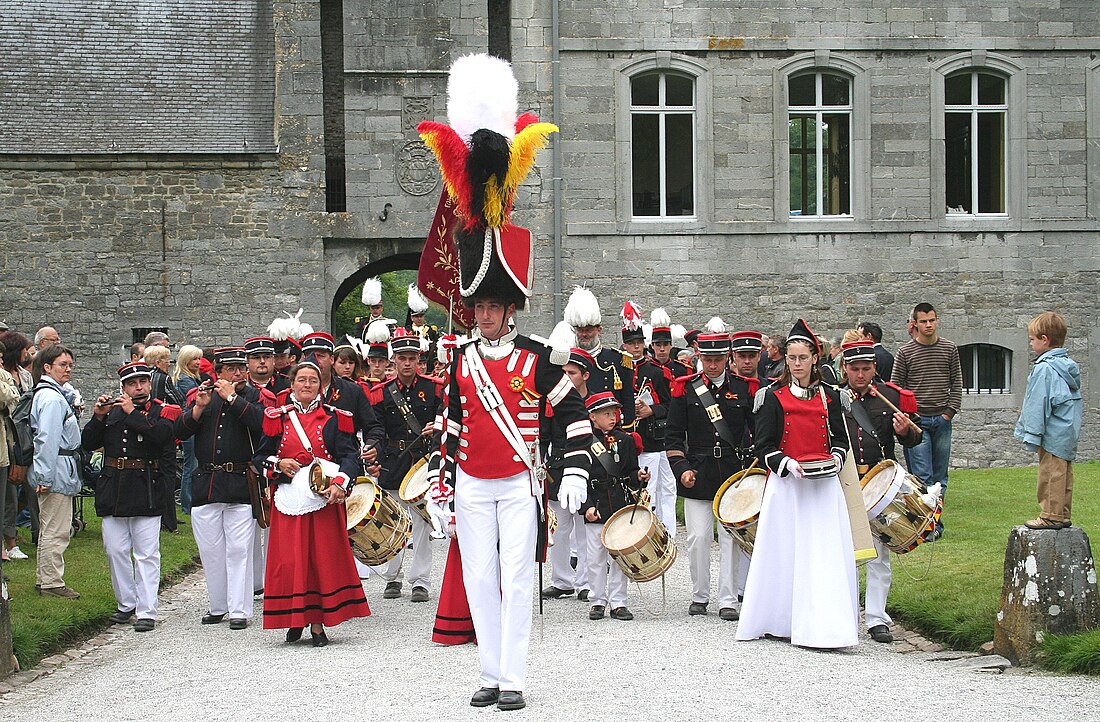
(311, 576)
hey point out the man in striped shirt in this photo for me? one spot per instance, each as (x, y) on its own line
(929, 366)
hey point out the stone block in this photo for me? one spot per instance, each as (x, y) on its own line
(1049, 588)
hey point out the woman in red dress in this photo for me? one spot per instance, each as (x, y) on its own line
(311, 577)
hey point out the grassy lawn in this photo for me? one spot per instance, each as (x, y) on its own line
(42, 626)
(957, 602)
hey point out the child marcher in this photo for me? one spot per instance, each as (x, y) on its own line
(1050, 421)
(612, 484)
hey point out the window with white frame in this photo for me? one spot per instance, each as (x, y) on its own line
(820, 144)
(975, 120)
(986, 368)
(662, 145)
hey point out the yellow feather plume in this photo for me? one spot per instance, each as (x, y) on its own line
(526, 144)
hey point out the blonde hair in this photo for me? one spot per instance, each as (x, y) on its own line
(184, 358)
(153, 354)
(851, 335)
(1051, 325)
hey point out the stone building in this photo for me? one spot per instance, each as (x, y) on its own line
(202, 166)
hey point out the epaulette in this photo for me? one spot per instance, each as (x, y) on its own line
(191, 394)
(374, 395)
(267, 397)
(907, 400)
(751, 381)
(168, 411)
(680, 382)
(628, 360)
(273, 420)
(345, 421)
(637, 438)
(758, 399)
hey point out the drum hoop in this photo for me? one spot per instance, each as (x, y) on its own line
(646, 539)
(733, 479)
(373, 509)
(422, 462)
(891, 491)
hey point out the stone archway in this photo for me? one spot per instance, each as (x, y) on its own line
(350, 261)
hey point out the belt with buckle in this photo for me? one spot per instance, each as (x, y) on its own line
(399, 444)
(229, 467)
(125, 462)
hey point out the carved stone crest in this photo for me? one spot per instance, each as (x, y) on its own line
(415, 110)
(417, 172)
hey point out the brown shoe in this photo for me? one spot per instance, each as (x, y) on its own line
(1044, 523)
(62, 591)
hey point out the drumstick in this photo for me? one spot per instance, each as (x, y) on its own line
(636, 504)
(874, 392)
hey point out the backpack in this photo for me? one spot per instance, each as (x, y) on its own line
(23, 451)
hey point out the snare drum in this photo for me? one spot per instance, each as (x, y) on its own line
(737, 505)
(414, 489)
(378, 527)
(639, 543)
(899, 514)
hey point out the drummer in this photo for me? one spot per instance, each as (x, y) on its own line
(870, 446)
(705, 448)
(407, 405)
(802, 584)
(311, 578)
(613, 483)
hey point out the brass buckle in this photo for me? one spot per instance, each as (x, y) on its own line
(120, 463)
(717, 451)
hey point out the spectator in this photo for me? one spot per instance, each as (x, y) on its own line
(47, 336)
(185, 375)
(158, 359)
(825, 364)
(137, 352)
(17, 349)
(54, 471)
(884, 360)
(929, 367)
(774, 352)
(9, 395)
(157, 338)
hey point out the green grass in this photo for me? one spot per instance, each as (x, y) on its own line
(42, 626)
(957, 603)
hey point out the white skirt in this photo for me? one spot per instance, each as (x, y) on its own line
(802, 582)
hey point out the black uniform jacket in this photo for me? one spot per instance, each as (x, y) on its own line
(424, 397)
(658, 380)
(694, 443)
(225, 434)
(868, 449)
(607, 493)
(614, 372)
(146, 433)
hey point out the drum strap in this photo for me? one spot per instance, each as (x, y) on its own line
(402, 404)
(603, 455)
(714, 413)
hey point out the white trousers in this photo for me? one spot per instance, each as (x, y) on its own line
(699, 521)
(878, 587)
(661, 487)
(608, 585)
(224, 534)
(132, 544)
(496, 528)
(570, 528)
(259, 558)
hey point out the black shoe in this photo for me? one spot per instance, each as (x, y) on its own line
(238, 624)
(556, 593)
(697, 609)
(582, 595)
(419, 594)
(511, 700)
(729, 614)
(596, 612)
(393, 590)
(121, 617)
(144, 625)
(259, 592)
(320, 639)
(622, 613)
(294, 634)
(485, 696)
(213, 618)
(881, 633)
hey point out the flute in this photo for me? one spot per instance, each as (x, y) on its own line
(896, 410)
(113, 402)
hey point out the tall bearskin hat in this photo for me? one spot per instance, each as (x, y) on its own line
(484, 155)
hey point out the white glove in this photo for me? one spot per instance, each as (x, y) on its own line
(573, 492)
(794, 468)
(440, 517)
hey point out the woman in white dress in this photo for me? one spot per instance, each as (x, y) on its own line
(802, 583)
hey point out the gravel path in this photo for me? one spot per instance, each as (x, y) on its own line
(667, 667)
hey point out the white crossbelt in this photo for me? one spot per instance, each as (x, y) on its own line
(490, 398)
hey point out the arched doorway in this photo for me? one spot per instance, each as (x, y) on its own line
(350, 261)
(395, 308)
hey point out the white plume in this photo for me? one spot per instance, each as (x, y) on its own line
(417, 302)
(482, 92)
(659, 318)
(716, 325)
(290, 327)
(583, 309)
(378, 332)
(372, 292)
(678, 334)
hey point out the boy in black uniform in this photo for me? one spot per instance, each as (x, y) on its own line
(407, 406)
(613, 482)
(709, 434)
(135, 433)
(870, 446)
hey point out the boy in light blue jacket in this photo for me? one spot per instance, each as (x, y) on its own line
(1050, 421)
